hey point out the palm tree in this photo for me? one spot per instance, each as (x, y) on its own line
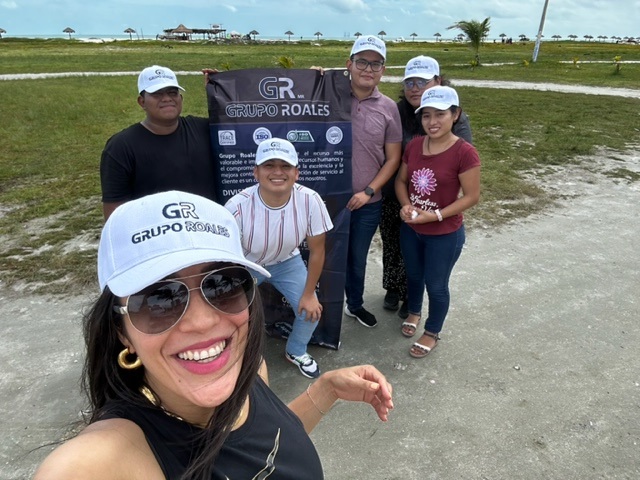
(130, 31)
(357, 34)
(381, 34)
(2, 30)
(69, 30)
(289, 33)
(285, 62)
(254, 33)
(413, 36)
(318, 35)
(475, 32)
(437, 35)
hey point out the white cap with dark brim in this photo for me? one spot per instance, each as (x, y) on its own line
(155, 78)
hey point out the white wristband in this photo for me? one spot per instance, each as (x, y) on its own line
(438, 214)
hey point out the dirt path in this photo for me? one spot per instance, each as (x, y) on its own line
(536, 376)
(547, 87)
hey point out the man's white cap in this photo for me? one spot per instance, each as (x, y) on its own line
(369, 42)
(155, 78)
(439, 97)
(421, 67)
(276, 149)
(150, 238)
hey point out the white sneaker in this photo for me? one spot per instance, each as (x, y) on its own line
(305, 363)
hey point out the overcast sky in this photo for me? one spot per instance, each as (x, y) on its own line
(333, 18)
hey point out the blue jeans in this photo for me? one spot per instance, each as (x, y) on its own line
(364, 223)
(289, 278)
(429, 260)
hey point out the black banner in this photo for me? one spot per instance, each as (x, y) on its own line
(312, 111)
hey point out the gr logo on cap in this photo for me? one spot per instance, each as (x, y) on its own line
(150, 238)
(422, 67)
(369, 42)
(155, 78)
(439, 97)
(276, 149)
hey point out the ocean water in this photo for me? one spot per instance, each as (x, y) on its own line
(102, 37)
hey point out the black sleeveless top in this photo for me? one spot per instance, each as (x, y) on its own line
(271, 444)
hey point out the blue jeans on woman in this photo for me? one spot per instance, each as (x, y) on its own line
(289, 278)
(429, 260)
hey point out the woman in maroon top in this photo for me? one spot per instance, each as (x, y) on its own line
(439, 178)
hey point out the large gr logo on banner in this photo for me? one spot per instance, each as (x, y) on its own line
(274, 88)
(312, 111)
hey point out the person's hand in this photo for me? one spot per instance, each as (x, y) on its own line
(311, 305)
(358, 200)
(411, 214)
(207, 72)
(363, 383)
(320, 69)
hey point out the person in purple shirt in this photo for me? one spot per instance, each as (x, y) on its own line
(377, 144)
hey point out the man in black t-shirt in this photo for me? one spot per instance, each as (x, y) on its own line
(165, 151)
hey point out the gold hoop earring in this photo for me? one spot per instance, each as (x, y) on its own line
(122, 360)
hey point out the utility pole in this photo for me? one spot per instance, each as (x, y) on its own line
(536, 49)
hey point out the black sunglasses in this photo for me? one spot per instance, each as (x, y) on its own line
(160, 306)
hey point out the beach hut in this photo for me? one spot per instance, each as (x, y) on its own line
(130, 31)
(69, 30)
(181, 32)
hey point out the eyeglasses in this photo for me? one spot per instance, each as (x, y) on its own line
(362, 64)
(419, 82)
(160, 306)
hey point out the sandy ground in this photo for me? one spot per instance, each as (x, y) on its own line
(537, 375)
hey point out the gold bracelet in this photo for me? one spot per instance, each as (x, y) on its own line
(312, 401)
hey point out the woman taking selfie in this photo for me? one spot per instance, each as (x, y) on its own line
(174, 369)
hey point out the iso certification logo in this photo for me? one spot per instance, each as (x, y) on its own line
(261, 134)
(334, 135)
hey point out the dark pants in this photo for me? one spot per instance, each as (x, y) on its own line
(394, 277)
(364, 223)
(429, 262)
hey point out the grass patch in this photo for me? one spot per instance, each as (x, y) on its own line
(53, 130)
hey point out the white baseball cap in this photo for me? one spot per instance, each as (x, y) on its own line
(150, 238)
(369, 42)
(439, 97)
(421, 67)
(278, 149)
(155, 78)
